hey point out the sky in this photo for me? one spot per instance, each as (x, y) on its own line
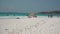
(24, 6)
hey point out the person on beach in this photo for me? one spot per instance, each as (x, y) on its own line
(32, 15)
(17, 18)
(50, 15)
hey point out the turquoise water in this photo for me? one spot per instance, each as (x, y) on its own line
(13, 14)
(48, 14)
(24, 14)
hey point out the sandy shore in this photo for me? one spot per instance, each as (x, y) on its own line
(42, 25)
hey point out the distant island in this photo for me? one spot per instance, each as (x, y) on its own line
(50, 12)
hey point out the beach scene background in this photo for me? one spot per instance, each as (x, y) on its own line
(29, 16)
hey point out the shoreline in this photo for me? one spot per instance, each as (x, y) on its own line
(22, 17)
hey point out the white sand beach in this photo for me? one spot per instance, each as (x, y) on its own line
(40, 25)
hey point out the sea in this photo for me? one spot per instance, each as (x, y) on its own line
(14, 15)
(25, 14)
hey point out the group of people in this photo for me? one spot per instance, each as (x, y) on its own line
(33, 15)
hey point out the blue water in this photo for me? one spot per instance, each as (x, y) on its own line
(13, 14)
(24, 14)
(48, 14)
